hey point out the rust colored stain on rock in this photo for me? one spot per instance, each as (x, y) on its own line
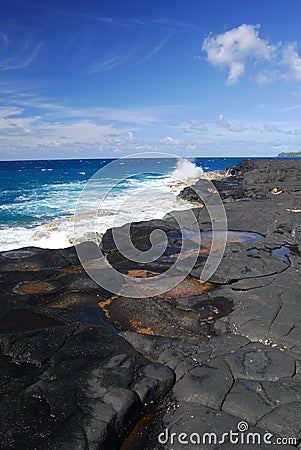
(71, 301)
(141, 273)
(188, 287)
(152, 315)
(21, 267)
(105, 303)
(209, 313)
(74, 298)
(136, 432)
(40, 287)
(71, 269)
(158, 315)
(136, 325)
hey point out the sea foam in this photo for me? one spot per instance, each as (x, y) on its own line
(144, 197)
(187, 171)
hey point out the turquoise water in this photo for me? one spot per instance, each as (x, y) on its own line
(36, 193)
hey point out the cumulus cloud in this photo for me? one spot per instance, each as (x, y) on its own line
(272, 128)
(230, 126)
(266, 128)
(35, 132)
(170, 140)
(287, 63)
(265, 77)
(197, 125)
(17, 125)
(292, 60)
(194, 125)
(233, 48)
(130, 136)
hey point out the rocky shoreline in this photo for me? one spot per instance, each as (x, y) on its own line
(80, 365)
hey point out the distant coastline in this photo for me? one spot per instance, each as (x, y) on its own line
(289, 155)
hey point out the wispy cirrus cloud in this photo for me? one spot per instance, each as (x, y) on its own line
(19, 57)
(32, 124)
(133, 40)
(26, 100)
(110, 61)
(291, 108)
(158, 46)
(169, 23)
(4, 39)
(133, 52)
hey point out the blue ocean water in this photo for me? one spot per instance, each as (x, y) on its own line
(38, 198)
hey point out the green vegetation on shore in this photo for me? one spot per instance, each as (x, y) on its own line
(289, 155)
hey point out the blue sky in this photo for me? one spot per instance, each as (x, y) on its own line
(113, 77)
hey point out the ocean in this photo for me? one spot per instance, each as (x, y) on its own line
(38, 198)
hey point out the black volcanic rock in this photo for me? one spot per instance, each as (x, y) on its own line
(65, 385)
(259, 179)
(79, 365)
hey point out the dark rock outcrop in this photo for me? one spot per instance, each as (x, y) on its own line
(67, 379)
(80, 364)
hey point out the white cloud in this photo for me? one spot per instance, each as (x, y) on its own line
(197, 125)
(110, 61)
(230, 126)
(170, 140)
(291, 108)
(158, 47)
(272, 128)
(35, 132)
(194, 125)
(7, 111)
(130, 136)
(22, 60)
(234, 47)
(265, 77)
(16, 125)
(280, 147)
(32, 126)
(288, 66)
(141, 115)
(292, 60)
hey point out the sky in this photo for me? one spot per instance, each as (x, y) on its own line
(110, 78)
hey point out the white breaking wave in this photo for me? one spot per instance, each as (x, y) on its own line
(150, 198)
(187, 171)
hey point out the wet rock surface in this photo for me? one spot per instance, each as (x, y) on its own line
(80, 364)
